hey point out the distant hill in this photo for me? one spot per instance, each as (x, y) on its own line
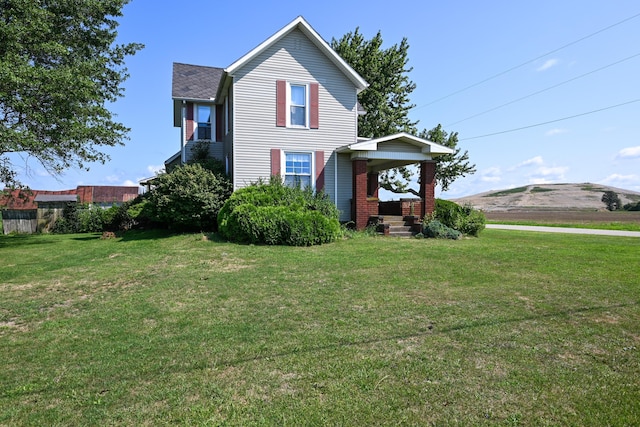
(548, 197)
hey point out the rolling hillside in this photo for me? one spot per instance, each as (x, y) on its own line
(547, 197)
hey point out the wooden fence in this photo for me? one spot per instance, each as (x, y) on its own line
(19, 221)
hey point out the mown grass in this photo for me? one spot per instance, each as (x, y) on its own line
(511, 328)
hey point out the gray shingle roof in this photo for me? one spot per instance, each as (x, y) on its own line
(195, 81)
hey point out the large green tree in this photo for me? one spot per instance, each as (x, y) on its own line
(59, 68)
(386, 100)
(387, 106)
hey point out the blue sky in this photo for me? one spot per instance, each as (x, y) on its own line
(456, 47)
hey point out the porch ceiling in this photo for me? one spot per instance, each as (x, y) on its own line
(394, 151)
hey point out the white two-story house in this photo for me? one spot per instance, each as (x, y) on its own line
(289, 107)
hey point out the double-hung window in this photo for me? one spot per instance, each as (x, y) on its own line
(203, 118)
(298, 105)
(298, 169)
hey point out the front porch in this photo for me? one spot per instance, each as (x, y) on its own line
(370, 157)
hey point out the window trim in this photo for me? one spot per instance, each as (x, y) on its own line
(196, 121)
(312, 171)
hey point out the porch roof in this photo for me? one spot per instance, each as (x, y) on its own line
(393, 151)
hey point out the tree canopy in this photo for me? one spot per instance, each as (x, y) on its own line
(387, 104)
(612, 200)
(59, 67)
(386, 100)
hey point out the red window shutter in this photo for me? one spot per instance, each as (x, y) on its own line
(314, 104)
(219, 122)
(189, 122)
(319, 170)
(275, 162)
(281, 103)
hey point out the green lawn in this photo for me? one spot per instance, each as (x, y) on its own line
(511, 328)
(622, 226)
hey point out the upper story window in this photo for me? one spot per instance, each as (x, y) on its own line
(203, 120)
(298, 105)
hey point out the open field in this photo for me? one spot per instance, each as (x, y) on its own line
(511, 328)
(620, 220)
(583, 196)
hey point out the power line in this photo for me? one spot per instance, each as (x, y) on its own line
(552, 121)
(543, 90)
(528, 62)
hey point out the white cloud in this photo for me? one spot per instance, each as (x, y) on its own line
(537, 160)
(534, 161)
(493, 174)
(129, 183)
(155, 169)
(557, 131)
(548, 175)
(629, 153)
(548, 64)
(624, 181)
(557, 171)
(539, 181)
(112, 179)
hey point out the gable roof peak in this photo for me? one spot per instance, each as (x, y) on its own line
(301, 24)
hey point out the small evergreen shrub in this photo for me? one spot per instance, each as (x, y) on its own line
(275, 214)
(437, 230)
(68, 222)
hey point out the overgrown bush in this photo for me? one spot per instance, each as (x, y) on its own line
(188, 198)
(465, 219)
(275, 214)
(436, 229)
(83, 218)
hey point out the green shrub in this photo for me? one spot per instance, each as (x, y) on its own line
(632, 206)
(83, 218)
(436, 229)
(275, 214)
(90, 219)
(188, 198)
(465, 219)
(68, 222)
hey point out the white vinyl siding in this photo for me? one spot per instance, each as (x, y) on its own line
(294, 59)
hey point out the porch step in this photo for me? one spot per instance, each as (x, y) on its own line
(397, 226)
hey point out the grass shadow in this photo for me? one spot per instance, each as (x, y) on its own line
(14, 240)
(152, 234)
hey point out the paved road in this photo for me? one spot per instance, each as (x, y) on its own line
(565, 230)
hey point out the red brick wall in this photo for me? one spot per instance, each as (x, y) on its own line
(189, 122)
(360, 203)
(428, 186)
(417, 207)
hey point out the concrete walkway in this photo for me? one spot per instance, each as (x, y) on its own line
(565, 230)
